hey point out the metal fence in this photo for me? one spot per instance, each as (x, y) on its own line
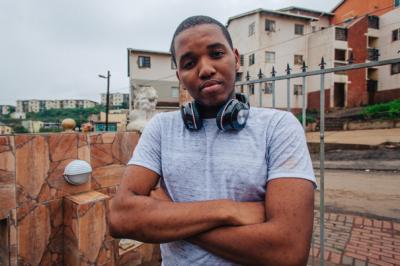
(304, 74)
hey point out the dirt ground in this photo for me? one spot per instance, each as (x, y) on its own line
(373, 193)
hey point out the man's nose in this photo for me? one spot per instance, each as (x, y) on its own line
(206, 69)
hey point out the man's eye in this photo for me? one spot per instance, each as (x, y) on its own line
(188, 64)
(217, 54)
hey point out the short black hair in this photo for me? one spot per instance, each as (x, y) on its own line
(195, 21)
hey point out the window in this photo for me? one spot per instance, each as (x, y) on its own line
(251, 29)
(268, 87)
(270, 57)
(298, 29)
(298, 59)
(251, 89)
(173, 65)
(373, 22)
(314, 29)
(144, 62)
(395, 68)
(340, 55)
(298, 89)
(174, 92)
(269, 25)
(340, 34)
(396, 3)
(239, 76)
(396, 34)
(241, 60)
(251, 59)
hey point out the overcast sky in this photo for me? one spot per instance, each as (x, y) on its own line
(54, 49)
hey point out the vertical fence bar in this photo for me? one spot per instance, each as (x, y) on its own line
(322, 164)
(288, 88)
(260, 90)
(273, 87)
(304, 92)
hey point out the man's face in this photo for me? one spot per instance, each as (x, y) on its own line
(206, 64)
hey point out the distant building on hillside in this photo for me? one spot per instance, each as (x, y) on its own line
(116, 99)
(6, 109)
(27, 106)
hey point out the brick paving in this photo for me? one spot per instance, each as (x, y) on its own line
(356, 240)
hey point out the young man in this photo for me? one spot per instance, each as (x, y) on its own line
(231, 197)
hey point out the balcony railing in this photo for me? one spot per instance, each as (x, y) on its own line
(373, 54)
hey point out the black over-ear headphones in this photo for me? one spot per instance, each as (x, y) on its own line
(231, 116)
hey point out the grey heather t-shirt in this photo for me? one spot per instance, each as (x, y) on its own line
(211, 164)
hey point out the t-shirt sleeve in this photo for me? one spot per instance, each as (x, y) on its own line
(148, 150)
(288, 155)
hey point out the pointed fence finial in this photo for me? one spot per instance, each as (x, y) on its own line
(273, 71)
(248, 76)
(322, 65)
(260, 74)
(288, 69)
(304, 67)
(351, 58)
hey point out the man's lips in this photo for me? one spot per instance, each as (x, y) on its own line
(209, 84)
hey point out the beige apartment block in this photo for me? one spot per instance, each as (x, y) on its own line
(389, 47)
(27, 106)
(115, 99)
(267, 38)
(155, 69)
(32, 126)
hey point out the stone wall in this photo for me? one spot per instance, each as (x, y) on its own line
(50, 222)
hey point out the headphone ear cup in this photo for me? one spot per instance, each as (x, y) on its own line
(191, 117)
(224, 116)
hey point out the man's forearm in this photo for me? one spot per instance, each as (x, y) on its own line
(145, 219)
(259, 244)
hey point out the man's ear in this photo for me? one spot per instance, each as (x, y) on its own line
(237, 58)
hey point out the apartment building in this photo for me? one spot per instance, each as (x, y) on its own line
(116, 99)
(27, 106)
(268, 38)
(155, 69)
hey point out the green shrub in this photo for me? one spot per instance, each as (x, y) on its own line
(389, 110)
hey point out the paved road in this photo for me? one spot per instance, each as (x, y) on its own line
(373, 193)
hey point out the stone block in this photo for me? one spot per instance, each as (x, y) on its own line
(109, 154)
(86, 237)
(40, 234)
(7, 176)
(40, 164)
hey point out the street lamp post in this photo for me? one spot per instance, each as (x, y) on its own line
(108, 95)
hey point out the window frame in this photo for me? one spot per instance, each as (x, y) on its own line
(396, 35)
(266, 57)
(295, 62)
(145, 63)
(271, 27)
(392, 69)
(252, 29)
(296, 90)
(297, 27)
(173, 89)
(252, 59)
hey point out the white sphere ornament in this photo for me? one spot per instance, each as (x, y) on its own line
(77, 172)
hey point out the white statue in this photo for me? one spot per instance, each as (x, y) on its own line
(144, 108)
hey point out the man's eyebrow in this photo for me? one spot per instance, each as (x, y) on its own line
(215, 45)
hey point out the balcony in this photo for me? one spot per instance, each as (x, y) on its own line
(373, 54)
(372, 85)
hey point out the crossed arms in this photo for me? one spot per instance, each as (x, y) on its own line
(274, 232)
